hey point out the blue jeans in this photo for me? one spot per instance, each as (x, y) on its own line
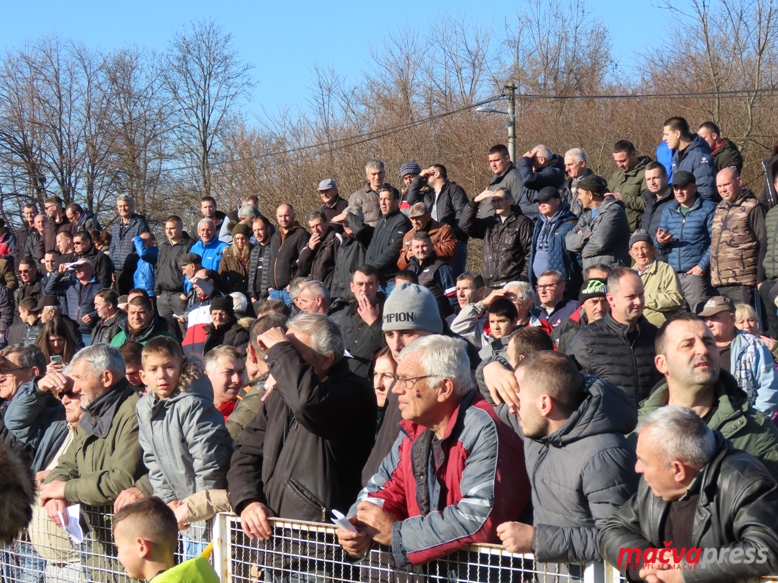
(460, 260)
(22, 563)
(388, 288)
(86, 339)
(280, 294)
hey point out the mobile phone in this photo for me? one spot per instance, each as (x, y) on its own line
(56, 359)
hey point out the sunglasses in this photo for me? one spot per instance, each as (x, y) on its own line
(66, 393)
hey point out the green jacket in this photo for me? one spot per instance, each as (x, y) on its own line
(197, 570)
(105, 457)
(662, 292)
(748, 429)
(158, 327)
(728, 155)
(630, 184)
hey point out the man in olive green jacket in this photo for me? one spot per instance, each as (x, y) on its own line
(105, 456)
(688, 357)
(629, 181)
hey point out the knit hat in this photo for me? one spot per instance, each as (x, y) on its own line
(410, 167)
(223, 303)
(593, 183)
(593, 288)
(412, 307)
(640, 235)
(242, 229)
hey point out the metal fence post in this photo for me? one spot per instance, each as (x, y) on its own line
(221, 548)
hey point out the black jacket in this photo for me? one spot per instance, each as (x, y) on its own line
(362, 341)
(87, 222)
(6, 313)
(284, 251)
(603, 349)
(167, 273)
(106, 330)
(652, 215)
(384, 249)
(351, 254)
(228, 334)
(507, 245)
(319, 264)
(303, 453)
(258, 288)
(21, 333)
(451, 202)
(737, 510)
(24, 291)
(24, 249)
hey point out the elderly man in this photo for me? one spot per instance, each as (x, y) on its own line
(602, 233)
(442, 235)
(538, 168)
(304, 473)
(142, 325)
(455, 473)
(245, 215)
(444, 200)
(687, 356)
(658, 196)
(79, 286)
(738, 240)
(629, 180)
(549, 248)
(332, 204)
(585, 419)
(366, 198)
(317, 259)
(208, 247)
(387, 242)
(697, 491)
(620, 346)
(225, 368)
(576, 168)
(129, 226)
(743, 355)
(555, 306)
(314, 298)
(507, 236)
(661, 287)
(105, 456)
(286, 244)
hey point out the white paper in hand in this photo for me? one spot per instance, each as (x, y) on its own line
(342, 521)
(73, 527)
(376, 501)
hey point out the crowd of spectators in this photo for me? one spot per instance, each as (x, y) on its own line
(604, 383)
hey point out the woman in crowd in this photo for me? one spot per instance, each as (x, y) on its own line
(234, 266)
(57, 343)
(384, 369)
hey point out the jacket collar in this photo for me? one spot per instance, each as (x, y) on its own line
(99, 413)
(414, 430)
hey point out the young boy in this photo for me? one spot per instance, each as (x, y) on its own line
(146, 535)
(186, 446)
(503, 319)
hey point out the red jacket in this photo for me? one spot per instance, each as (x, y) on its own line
(481, 482)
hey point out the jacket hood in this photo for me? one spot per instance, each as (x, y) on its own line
(609, 201)
(605, 409)
(697, 143)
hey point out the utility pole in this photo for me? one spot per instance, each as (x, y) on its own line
(512, 120)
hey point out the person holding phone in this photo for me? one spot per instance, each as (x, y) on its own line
(57, 344)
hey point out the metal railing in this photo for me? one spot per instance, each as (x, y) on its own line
(298, 552)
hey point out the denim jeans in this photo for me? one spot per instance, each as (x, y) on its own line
(281, 294)
(22, 563)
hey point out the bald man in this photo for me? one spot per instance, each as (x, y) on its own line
(285, 247)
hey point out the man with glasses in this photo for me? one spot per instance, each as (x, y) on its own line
(555, 307)
(31, 285)
(85, 249)
(453, 476)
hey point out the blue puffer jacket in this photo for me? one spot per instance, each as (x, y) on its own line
(559, 258)
(691, 235)
(80, 299)
(144, 272)
(698, 160)
(122, 236)
(211, 252)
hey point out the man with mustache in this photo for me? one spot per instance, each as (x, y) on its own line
(687, 355)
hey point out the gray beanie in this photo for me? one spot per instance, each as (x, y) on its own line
(412, 307)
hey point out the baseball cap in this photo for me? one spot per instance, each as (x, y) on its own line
(546, 193)
(716, 305)
(326, 184)
(594, 183)
(682, 179)
(44, 302)
(188, 258)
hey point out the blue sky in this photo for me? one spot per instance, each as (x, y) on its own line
(283, 40)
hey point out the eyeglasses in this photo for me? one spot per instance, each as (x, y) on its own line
(409, 382)
(548, 286)
(21, 271)
(4, 370)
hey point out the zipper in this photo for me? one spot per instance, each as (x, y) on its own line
(309, 498)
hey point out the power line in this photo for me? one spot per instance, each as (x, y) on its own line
(732, 93)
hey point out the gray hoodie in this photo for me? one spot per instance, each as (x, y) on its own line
(186, 446)
(581, 473)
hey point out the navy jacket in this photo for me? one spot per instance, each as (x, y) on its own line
(691, 235)
(559, 258)
(80, 298)
(551, 175)
(122, 236)
(698, 160)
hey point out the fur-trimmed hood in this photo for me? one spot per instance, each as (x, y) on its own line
(17, 495)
